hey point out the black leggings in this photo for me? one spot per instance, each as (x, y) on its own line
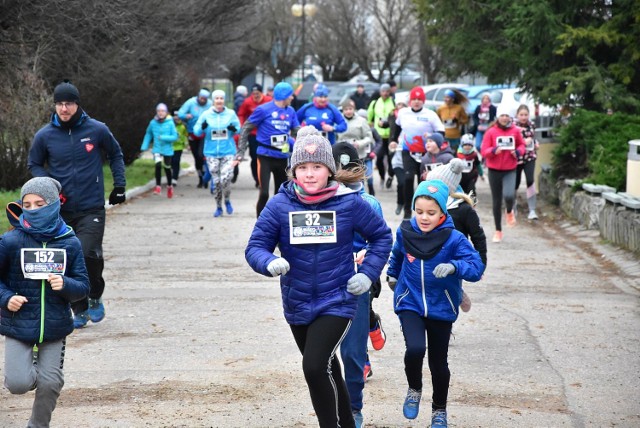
(380, 155)
(411, 171)
(529, 168)
(318, 343)
(197, 149)
(267, 166)
(166, 165)
(437, 337)
(502, 183)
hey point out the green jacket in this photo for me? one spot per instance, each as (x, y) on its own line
(181, 142)
(380, 109)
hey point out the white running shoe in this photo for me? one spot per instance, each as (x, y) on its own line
(532, 215)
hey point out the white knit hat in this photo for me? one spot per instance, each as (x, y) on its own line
(311, 146)
(505, 109)
(450, 174)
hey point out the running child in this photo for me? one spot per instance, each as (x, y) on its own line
(42, 271)
(312, 220)
(428, 263)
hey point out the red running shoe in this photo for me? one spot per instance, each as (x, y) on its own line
(169, 192)
(377, 335)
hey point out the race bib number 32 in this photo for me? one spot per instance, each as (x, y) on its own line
(312, 227)
(38, 263)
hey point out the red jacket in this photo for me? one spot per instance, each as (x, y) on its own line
(506, 160)
(248, 106)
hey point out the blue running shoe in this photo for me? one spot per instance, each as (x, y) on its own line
(80, 320)
(229, 207)
(218, 212)
(96, 310)
(439, 419)
(412, 404)
(358, 418)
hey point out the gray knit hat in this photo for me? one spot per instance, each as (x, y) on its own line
(311, 146)
(45, 187)
(450, 174)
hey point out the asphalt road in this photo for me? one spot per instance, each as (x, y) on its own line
(194, 338)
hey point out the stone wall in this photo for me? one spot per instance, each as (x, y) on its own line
(617, 223)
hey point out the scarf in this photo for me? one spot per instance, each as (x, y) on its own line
(422, 245)
(308, 197)
(43, 223)
(71, 122)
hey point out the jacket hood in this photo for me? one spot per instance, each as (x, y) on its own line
(14, 211)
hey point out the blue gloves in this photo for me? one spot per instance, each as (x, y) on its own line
(278, 266)
(358, 284)
(443, 269)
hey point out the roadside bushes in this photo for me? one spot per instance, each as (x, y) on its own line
(593, 147)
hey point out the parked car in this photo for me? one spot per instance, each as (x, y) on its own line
(434, 94)
(405, 78)
(514, 97)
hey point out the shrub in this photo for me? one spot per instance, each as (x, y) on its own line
(593, 147)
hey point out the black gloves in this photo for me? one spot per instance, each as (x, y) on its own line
(204, 125)
(117, 196)
(232, 128)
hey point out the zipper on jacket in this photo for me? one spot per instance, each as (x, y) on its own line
(42, 297)
(446, 292)
(424, 292)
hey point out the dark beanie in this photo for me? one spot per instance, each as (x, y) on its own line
(65, 91)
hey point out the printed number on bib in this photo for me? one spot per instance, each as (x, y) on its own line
(38, 263)
(468, 166)
(219, 134)
(279, 141)
(450, 123)
(312, 227)
(531, 145)
(508, 143)
(432, 166)
(157, 157)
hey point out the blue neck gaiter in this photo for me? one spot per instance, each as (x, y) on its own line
(43, 223)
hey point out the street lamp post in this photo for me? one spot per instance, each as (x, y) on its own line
(302, 10)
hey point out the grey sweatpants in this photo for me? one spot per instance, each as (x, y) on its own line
(46, 376)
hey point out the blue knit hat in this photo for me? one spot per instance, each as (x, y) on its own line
(437, 138)
(321, 91)
(282, 91)
(435, 189)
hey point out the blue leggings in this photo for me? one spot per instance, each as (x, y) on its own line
(437, 332)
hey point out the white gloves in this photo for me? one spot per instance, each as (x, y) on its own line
(443, 269)
(278, 266)
(358, 284)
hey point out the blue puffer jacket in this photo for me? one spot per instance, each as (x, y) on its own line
(74, 158)
(47, 314)
(418, 290)
(358, 242)
(316, 285)
(218, 121)
(162, 134)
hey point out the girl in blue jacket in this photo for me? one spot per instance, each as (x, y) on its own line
(428, 262)
(162, 132)
(312, 220)
(219, 124)
(42, 271)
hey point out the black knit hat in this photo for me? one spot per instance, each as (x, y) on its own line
(65, 91)
(345, 155)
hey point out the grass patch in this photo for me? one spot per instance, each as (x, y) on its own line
(139, 173)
